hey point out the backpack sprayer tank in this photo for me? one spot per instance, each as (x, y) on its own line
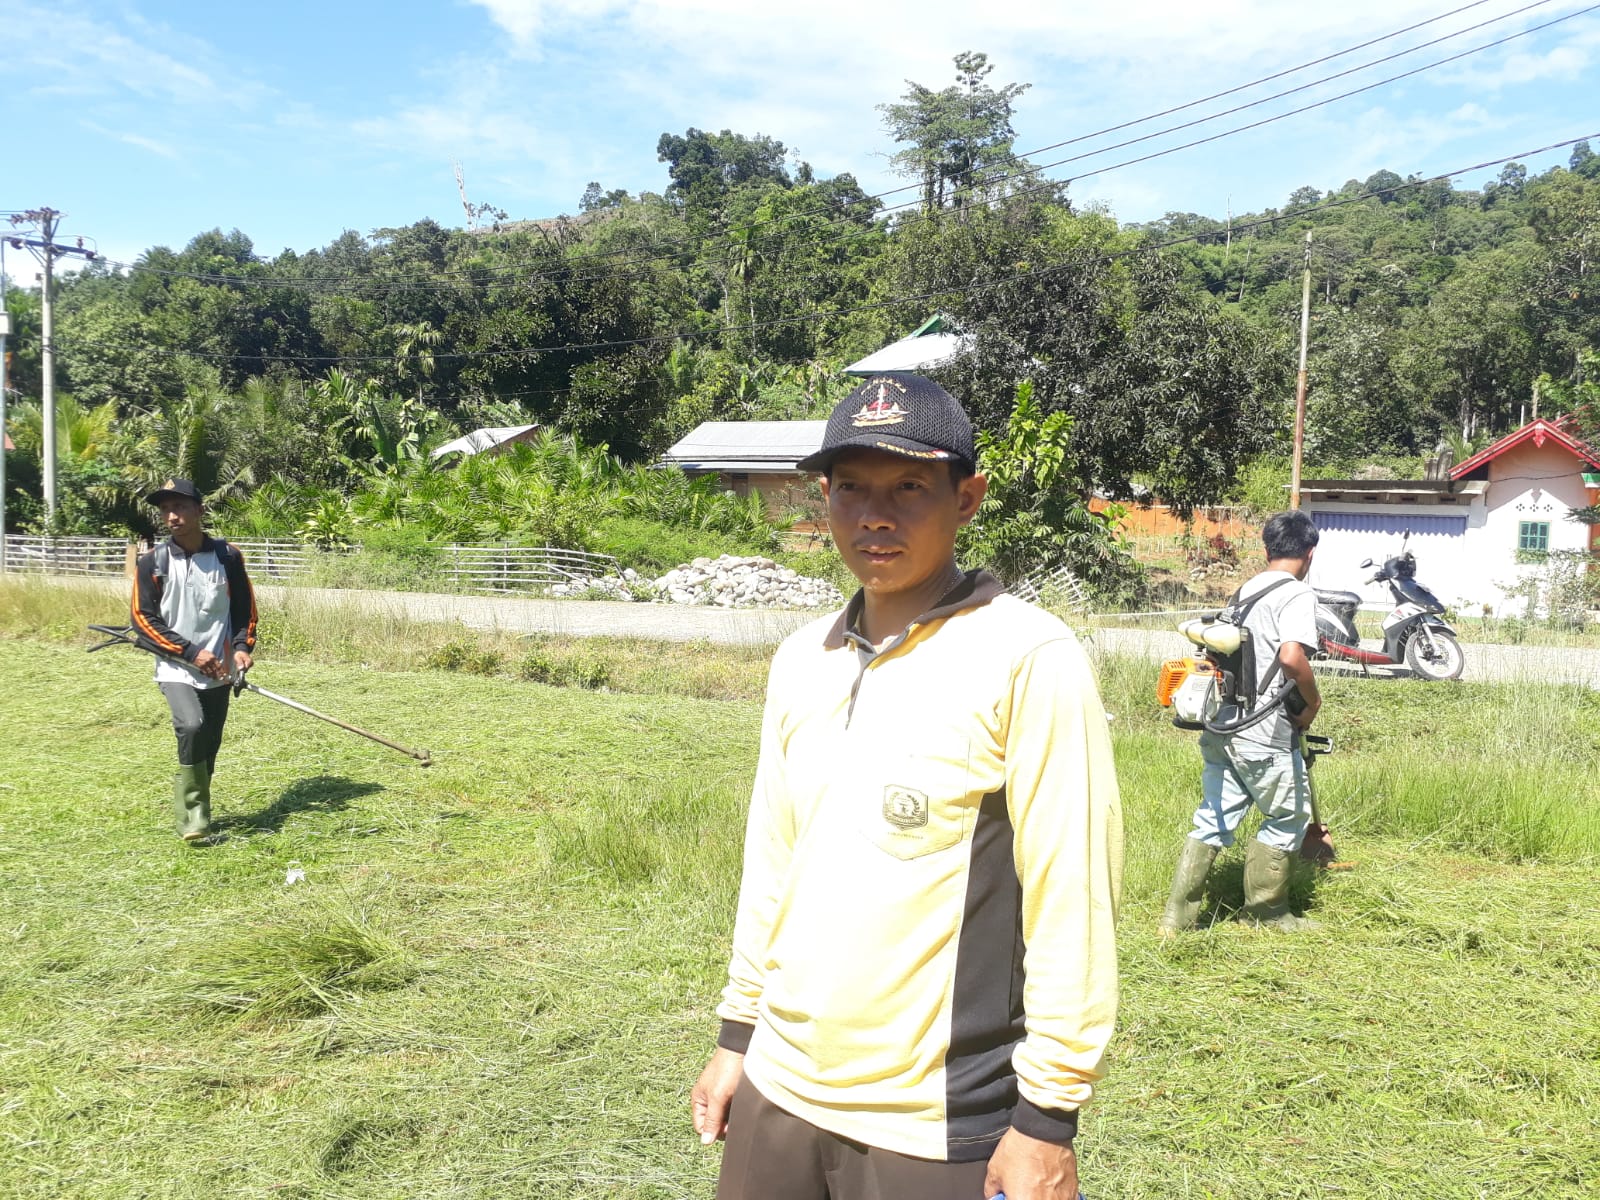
(1217, 690)
(1196, 688)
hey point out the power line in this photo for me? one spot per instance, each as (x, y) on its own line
(435, 282)
(1194, 103)
(1321, 103)
(690, 334)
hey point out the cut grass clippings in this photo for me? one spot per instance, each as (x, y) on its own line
(497, 977)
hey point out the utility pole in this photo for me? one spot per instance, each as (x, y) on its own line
(46, 250)
(1300, 382)
(5, 332)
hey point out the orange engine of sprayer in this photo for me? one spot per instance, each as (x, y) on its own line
(1174, 671)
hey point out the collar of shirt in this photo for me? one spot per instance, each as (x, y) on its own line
(207, 542)
(972, 590)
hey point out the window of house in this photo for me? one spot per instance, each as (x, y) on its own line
(1533, 536)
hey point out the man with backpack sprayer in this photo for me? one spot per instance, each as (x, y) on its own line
(193, 601)
(1258, 758)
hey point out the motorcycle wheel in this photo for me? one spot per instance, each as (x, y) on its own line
(1437, 657)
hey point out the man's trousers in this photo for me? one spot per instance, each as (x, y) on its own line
(772, 1155)
(198, 715)
(1238, 775)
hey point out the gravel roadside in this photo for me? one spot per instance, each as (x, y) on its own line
(763, 627)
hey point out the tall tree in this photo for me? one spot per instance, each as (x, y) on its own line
(958, 138)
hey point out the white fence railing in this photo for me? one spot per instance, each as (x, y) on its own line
(520, 568)
(1059, 589)
(491, 569)
(66, 556)
(275, 559)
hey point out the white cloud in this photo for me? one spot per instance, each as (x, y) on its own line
(814, 74)
(1381, 137)
(828, 35)
(478, 122)
(150, 144)
(1569, 60)
(64, 50)
(562, 91)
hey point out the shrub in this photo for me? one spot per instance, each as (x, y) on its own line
(1215, 550)
(465, 656)
(648, 545)
(543, 664)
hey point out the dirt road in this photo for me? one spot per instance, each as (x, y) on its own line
(757, 627)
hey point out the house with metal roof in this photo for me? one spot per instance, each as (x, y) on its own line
(752, 456)
(935, 342)
(487, 441)
(1479, 531)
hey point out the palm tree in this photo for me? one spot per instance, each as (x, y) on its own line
(413, 352)
(81, 433)
(197, 438)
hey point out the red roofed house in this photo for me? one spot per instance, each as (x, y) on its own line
(1477, 533)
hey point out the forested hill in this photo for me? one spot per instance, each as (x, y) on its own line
(740, 288)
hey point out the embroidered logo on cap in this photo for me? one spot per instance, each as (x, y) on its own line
(883, 409)
(904, 808)
(939, 454)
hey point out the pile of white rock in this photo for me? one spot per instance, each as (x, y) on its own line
(601, 587)
(731, 582)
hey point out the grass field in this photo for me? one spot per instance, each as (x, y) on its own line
(496, 976)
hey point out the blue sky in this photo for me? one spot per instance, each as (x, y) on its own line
(148, 121)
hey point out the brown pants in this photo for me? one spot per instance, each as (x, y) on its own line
(772, 1155)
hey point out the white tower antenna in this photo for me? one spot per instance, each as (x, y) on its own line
(461, 186)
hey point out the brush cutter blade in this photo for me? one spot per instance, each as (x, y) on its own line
(1318, 845)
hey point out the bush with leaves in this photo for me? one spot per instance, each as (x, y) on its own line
(1036, 516)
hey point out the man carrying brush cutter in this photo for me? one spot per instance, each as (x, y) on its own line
(1262, 765)
(924, 970)
(192, 599)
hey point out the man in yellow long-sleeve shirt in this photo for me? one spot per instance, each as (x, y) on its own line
(923, 978)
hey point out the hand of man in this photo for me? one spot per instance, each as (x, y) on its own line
(242, 661)
(210, 665)
(1024, 1168)
(1302, 719)
(713, 1095)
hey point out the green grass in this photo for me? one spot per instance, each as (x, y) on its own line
(497, 975)
(298, 629)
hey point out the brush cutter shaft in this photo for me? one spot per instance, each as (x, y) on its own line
(420, 755)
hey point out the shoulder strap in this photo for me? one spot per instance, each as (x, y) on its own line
(1244, 609)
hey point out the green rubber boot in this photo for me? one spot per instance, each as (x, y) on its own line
(1266, 888)
(191, 801)
(1188, 887)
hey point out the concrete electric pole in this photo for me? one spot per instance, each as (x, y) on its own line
(1300, 382)
(46, 250)
(5, 332)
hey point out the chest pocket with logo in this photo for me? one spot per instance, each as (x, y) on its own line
(918, 805)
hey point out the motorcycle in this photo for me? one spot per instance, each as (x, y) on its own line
(1414, 634)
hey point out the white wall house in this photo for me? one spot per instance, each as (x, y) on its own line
(1477, 535)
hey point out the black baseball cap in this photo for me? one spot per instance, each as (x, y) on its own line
(174, 487)
(901, 413)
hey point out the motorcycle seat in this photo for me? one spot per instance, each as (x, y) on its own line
(1337, 599)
